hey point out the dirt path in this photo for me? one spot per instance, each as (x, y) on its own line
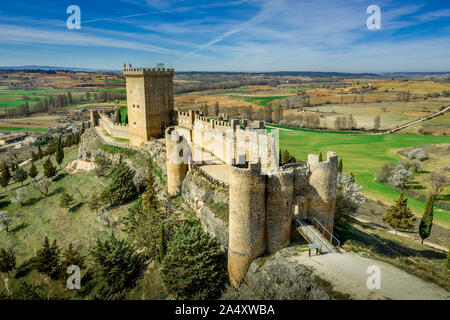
(348, 273)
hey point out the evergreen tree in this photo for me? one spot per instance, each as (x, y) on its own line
(40, 155)
(448, 257)
(29, 292)
(7, 261)
(194, 266)
(71, 257)
(399, 215)
(59, 152)
(320, 157)
(116, 267)
(118, 117)
(66, 200)
(122, 188)
(94, 203)
(162, 242)
(5, 176)
(340, 166)
(47, 259)
(20, 175)
(427, 220)
(34, 156)
(33, 171)
(144, 219)
(286, 157)
(49, 169)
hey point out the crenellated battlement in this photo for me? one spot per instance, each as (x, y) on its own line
(151, 72)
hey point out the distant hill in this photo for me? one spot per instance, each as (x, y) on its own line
(53, 68)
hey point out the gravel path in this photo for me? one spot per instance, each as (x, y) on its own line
(348, 273)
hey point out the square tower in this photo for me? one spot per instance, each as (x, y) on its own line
(149, 103)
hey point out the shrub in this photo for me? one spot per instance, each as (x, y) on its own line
(418, 154)
(20, 175)
(411, 165)
(401, 177)
(384, 173)
(194, 265)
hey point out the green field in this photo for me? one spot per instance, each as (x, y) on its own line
(23, 129)
(262, 101)
(13, 98)
(363, 155)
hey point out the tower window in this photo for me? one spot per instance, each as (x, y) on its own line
(134, 123)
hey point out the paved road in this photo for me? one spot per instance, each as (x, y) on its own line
(348, 273)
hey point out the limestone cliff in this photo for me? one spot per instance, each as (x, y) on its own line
(210, 203)
(277, 277)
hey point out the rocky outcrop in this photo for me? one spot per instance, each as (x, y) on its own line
(157, 151)
(204, 199)
(279, 277)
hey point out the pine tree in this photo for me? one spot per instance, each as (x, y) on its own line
(71, 257)
(7, 261)
(59, 152)
(118, 117)
(116, 267)
(40, 155)
(399, 215)
(162, 243)
(33, 171)
(448, 257)
(320, 157)
(94, 203)
(47, 259)
(427, 220)
(34, 156)
(20, 175)
(66, 200)
(204, 279)
(340, 166)
(5, 176)
(286, 157)
(49, 169)
(150, 200)
(122, 188)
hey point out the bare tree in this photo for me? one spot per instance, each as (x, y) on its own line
(437, 181)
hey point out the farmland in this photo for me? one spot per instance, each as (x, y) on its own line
(363, 155)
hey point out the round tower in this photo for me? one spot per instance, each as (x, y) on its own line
(176, 161)
(280, 188)
(246, 220)
(323, 183)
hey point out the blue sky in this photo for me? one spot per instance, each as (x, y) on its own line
(229, 35)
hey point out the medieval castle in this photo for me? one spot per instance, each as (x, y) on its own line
(263, 201)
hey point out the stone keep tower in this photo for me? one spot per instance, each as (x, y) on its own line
(149, 103)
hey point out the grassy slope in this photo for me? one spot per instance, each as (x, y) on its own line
(363, 155)
(40, 217)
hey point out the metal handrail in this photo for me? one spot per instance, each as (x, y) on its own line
(334, 241)
(299, 221)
